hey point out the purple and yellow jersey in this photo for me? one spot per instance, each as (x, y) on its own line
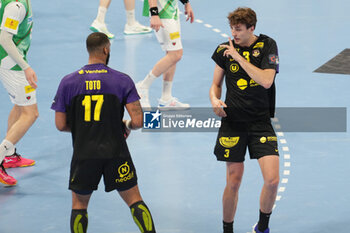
(94, 98)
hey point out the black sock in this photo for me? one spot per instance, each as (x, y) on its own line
(142, 217)
(228, 227)
(79, 221)
(263, 223)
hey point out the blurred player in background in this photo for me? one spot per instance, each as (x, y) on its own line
(166, 23)
(132, 26)
(19, 80)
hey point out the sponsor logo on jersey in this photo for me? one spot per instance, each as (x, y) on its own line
(102, 71)
(152, 120)
(11, 23)
(124, 173)
(228, 142)
(174, 43)
(273, 59)
(256, 52)
(242, 84)
(28, 97)
(28, 89)
(174, 35)
(219, 49)
(252, 83)
(259, 45)
(269, 139)
(234, 67)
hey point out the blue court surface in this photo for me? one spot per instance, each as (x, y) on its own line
(179, 177)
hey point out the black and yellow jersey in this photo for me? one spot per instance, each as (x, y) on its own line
(246, 99)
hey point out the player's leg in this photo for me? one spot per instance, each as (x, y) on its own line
(234, 173)
(139, 210)
(132, 26)
(269, 166)
(79, 215)
(99, 25)
(23, 119)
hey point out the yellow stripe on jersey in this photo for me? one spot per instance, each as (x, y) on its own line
(174, 35)
(11, 23)
(28, 89)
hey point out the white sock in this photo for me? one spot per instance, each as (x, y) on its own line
(146, 83)
(166, 93)
(6, 147)
(101, 14)
(130, 17)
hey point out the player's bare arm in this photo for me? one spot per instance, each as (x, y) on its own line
(136, 114)
(61, 122)
(264, 77)
(189, 12)
(215, 92)
(156, 23)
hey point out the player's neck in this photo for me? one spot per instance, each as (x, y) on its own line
(250, 41)
(96, 60)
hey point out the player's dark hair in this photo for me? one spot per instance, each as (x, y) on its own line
(96, 41)
(242, 15)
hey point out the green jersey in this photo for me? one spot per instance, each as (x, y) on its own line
(19, 22)
(168, 9)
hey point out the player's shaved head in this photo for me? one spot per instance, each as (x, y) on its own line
(96, 41)
(245, 16)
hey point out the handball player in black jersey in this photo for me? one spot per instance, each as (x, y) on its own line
(248, 64)
(90, 104)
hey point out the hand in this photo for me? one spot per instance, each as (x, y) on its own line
(230, 50)
(218, 107)
(31, 77)
(156, 23)
(189, 12)
(127, 130)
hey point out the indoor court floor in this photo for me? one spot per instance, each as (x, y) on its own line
(178, 175)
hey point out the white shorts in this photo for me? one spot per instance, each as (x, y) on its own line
(169, 36)
(18, 88)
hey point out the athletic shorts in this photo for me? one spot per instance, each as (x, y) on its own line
(234, 138)
(118, 173)
(169, 36)
(18, 88)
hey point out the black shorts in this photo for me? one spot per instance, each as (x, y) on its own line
(118, 173)
(234, 138)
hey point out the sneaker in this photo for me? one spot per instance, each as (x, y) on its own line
(256, 230)
(17, 160)
(96, 26)
(136, 28)
(172, 104)
(6, 178)
(143, 93)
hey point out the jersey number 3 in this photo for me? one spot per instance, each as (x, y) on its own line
(87, 104)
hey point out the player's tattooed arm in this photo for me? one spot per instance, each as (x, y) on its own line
(136, 114)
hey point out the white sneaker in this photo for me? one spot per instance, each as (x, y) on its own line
(136, 28)
(96, 26)
(172, 104)
(143, 93)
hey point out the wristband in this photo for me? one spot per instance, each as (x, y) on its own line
(128, 124)
(154, 11)
(184, 1)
